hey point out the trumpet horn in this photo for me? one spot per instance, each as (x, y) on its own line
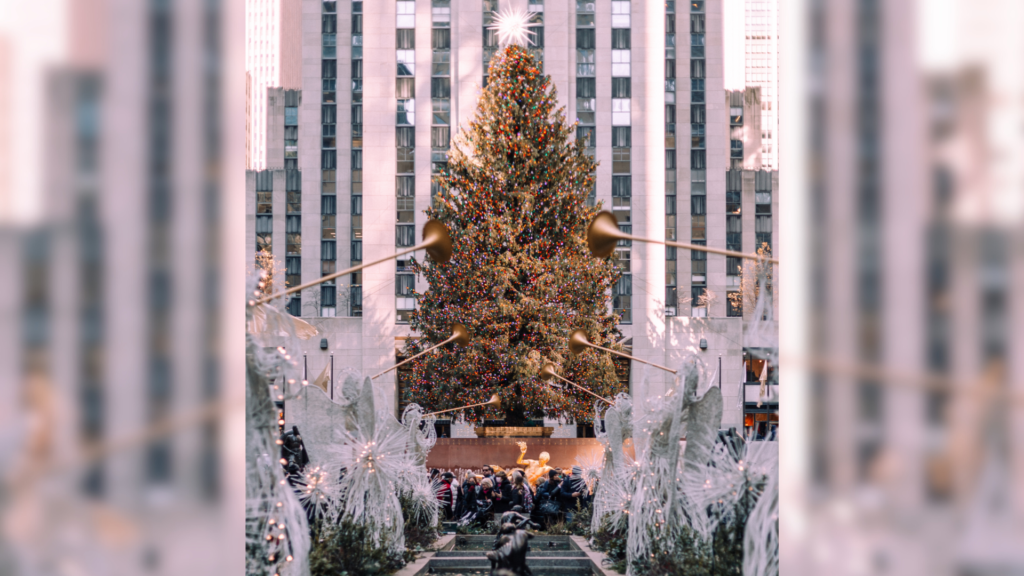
(436, 241)
(459, 335)
(578, 343)
(547, 372)
(603, 234)
(493, 402)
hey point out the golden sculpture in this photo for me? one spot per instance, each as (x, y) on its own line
(535, 470)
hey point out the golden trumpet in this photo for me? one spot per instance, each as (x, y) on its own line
(547, 372)
(603, 234)
(578, 344)
(459, 335)
(494, 401)
(436, 241)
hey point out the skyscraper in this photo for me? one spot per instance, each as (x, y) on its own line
(761, 32)
(272, 59)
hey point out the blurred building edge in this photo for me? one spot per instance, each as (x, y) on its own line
(117, 461)
(912, 269)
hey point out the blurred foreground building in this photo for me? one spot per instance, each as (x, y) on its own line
(116, 321)
(913, 234)
(385, 87)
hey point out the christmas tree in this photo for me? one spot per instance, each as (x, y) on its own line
(521, 278)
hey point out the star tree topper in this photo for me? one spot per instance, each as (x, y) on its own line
(513, 27)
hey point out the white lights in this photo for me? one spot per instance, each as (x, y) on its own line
(513, 27)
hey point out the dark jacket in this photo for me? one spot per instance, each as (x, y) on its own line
(444, 494)
(503, 504)
(572, 485)
(467, 499)
(519, 498)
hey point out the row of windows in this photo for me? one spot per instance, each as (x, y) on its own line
(671, 224)
(622, 292)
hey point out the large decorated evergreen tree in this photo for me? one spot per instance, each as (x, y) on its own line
(521, 278)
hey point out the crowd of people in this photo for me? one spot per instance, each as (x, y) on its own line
(476, 496)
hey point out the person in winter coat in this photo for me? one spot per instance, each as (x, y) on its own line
(502, 493)
(443, 489)
(521, 495)
(486, 492)
(573, 493)
(455, 494)
(470, 493)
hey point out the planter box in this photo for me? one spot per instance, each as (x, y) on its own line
(514, 431)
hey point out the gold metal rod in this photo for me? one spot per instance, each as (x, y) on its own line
(630, 357)
(585, 390)
(266, 299)
(453, 409)
(603, 235)
(411, 358)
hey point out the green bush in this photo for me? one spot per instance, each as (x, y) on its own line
(346, 549)
(613, 543)
(418, 535)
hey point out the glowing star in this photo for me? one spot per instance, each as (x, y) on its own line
(513, 27)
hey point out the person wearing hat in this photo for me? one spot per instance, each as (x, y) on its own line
(443, 490)
(573, 493)
(454, 484)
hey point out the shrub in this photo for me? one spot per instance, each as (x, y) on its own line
(613, 544)
(347, 549)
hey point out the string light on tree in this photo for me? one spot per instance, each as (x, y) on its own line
(514, 198)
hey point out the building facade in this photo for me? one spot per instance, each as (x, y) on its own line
(385, 86)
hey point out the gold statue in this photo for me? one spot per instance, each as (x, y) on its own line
(535, 470)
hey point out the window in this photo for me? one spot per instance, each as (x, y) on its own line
(736, 149)
(586, 88)
(405, 236)
(734, 305)
(698, 159)
(406, 62)
(585, 110)
(441, 39)
(406, 112)
(621, 187)
(621, 136)
(406, 160)
(588, 134)
(327, 250)
(736, 116)
(405, 14)
(620, 112)
(698, 227)
(620, 62)
(441, 64)
(620, 14)
(329, 48)
(620, 37)
(621, 88)
(291, 116)
(441, 13)
(442, 112)
(697, 136)
(585, 63)
(698, 205)
(622, 298)
(440, 88)
(405, 88)
(620, 160)
(404, 284)
(733, 233)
